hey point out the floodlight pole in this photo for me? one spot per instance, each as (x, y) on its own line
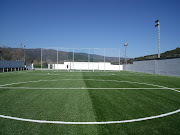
(125, 45)
(159, 41)
(158, 25)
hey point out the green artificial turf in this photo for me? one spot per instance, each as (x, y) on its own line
(41, 102)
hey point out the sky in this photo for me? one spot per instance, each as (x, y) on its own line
(91, 24)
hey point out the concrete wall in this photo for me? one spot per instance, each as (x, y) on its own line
(11, 64)
(87, 66)
(163, 66)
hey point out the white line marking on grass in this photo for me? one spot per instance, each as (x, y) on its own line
(106, 122)
(82, 88)
(82, 123)
(27, 82)
(65, 75)
(114, 81)
(129, 82)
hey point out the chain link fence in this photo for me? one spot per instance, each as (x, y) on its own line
(80, 59)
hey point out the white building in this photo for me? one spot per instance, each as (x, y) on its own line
(86, 66)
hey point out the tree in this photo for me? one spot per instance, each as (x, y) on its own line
(5, 54)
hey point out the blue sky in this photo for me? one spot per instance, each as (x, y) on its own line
(91, 24)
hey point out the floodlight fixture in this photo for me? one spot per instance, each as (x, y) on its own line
(156, 25)
(156, 21)
(126, 44)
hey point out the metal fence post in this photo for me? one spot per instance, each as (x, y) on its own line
(104, 58)
(73, 58)
(88, 58)
(57, 59)
(119, 60)
(41, 59)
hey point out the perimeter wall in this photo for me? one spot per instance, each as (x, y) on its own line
(162, 66)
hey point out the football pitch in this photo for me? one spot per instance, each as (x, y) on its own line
(91, 103)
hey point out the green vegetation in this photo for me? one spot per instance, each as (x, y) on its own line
(168, 54)
(88, 105)
(50, 56)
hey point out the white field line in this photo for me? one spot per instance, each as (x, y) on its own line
(26, 82)
(107, 122)
(173, 89)
(66, 75)
(87, 80)
(129, 82)
(116, 81)
(82, 123)
(80, 88)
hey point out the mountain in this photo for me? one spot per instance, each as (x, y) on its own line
(50, 56)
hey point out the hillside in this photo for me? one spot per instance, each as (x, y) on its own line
(168, 54)
(50, 56)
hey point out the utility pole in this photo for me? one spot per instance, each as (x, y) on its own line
(125, 45)
(158, 25)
